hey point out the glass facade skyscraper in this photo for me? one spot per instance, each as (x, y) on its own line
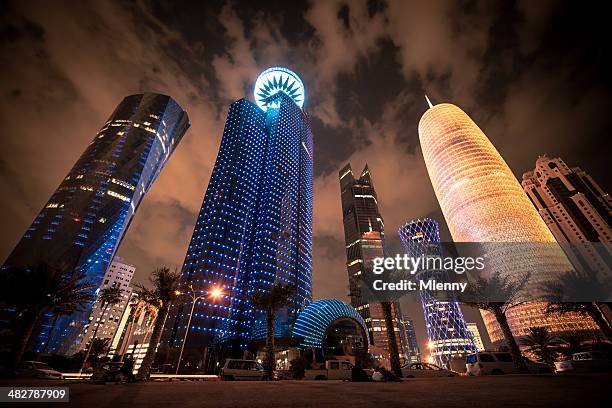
(447, 331)
(483, 202)
(254, 228)
(364, 233)
(84, 221)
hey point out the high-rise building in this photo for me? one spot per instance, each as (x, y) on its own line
(473, 328)
(134, 330)
(82, 224)
(447, 333)
(483, 202)
(364, 233)
(573, 205)
(576, 209)
(413, 354)
(254, 228)
(104, 319)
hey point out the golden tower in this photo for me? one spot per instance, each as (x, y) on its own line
(483, 202)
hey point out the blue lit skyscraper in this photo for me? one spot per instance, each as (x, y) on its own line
(255, 224)
(84, 221)
(447, 330)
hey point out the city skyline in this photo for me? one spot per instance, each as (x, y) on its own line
(354, 119)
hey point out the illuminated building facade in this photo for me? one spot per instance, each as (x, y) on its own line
(483, 202)
(364, 233)
(133, 333)
(332, 326)
(473, 328)
(254, 228)
(413, 354)
(84, 221)
(447, 332)
(572, 204)
(106, 318)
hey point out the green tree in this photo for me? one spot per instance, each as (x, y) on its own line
(164, 284)
(38, 290)
(497, 295)
(541, 344)
(109, 296)
(269, 302)
(394, 357)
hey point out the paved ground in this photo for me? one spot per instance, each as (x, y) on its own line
(578, 390)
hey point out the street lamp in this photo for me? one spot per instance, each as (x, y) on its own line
(215, 293)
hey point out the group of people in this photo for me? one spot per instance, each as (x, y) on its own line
(380, 374)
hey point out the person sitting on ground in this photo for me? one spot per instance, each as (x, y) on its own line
(377, 375)
(388, 375)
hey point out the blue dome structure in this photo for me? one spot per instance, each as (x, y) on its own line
(313, 324)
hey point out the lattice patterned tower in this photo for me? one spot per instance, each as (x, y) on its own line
(483, 202)
(447, 331)
(255, 225)
(84, 221)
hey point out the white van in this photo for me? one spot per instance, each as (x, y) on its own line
(334, 370)
(236, 369)
(498, 362)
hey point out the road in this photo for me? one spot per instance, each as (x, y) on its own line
(574, 390)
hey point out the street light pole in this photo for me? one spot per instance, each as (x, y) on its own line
(194, 299)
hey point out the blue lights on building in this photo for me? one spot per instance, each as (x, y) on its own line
(255, 224)
(447, 330)
(313, 324)
(278, 79)
(84, 221)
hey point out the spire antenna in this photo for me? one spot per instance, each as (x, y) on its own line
(428, 101)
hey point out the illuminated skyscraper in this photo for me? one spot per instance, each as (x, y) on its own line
(576, 209)
(483, 202)
(84, 221)
(104, 318)
(571, 203)
(447, 331)
(364, 233)
(473, 328)
(255, 224)
(413, 354)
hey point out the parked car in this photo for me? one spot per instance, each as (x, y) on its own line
(236, 369)
(585, 361)
(418, 370)
(37, 369)
(334, 370)
(498, 362)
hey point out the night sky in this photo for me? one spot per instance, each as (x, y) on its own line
(534, 75)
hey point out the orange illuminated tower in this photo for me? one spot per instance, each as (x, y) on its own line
(483, 202)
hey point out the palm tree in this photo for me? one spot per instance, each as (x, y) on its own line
(35, 291)
(394, 358)
(98, 346)
(572, 343)
(575, 285)
(108, 296)
(497, 295)
(542, 344)
(164, 291)
(270, 301)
